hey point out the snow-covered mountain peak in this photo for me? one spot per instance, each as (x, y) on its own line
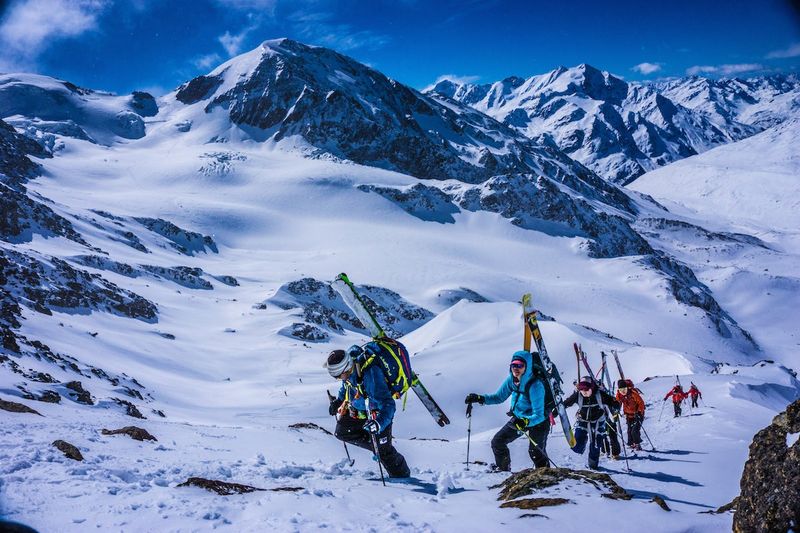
(48, 107)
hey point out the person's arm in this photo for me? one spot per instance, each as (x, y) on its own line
(342, 391)
(501, 395)
(610, 401)
(668, 395)
(380, 398)
(571, 400)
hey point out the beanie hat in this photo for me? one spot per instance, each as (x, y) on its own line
(338, 363)
(622, 384)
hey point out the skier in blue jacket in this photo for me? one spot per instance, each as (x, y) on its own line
(525, 387)
(354, 421)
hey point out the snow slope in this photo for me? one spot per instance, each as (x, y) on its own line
(750, 191)
(209, 222)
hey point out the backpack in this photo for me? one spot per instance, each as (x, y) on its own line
(539, 373)
(392, 358)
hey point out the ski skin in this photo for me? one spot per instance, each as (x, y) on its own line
(532, 331)
(348, 292)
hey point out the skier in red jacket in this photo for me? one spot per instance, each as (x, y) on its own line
(677, 397)
(694, 392)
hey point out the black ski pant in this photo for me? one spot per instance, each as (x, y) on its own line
(694, 401)
(351, 430)
(592, 433)
(677, 406)
(634, 430)
(610, 444)
(509, 433)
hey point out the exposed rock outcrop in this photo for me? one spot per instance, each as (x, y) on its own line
(15, 407)
(770, 499)
(531, 480)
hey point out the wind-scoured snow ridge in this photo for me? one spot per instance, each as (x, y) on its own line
(324, 311)
(52, 106)
(618, 129)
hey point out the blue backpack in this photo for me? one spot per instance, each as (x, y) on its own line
(392, 358)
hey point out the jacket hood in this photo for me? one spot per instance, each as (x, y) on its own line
(528, 374)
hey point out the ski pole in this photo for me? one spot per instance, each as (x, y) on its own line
(641, 426)
(469, 429)
(662, 409)
(346, 451)
(375, 441)
(538, 448)
(624, 451)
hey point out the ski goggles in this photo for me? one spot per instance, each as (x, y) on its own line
(517, 365)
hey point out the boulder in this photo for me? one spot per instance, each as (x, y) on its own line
(132, 431)
(770, 499)
(69, 450)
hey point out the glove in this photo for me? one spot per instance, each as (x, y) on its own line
(473, 398)
(372, 426)
(333, 408)
(520, 423)
(639, 417)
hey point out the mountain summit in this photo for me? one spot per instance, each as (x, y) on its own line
(618, 129)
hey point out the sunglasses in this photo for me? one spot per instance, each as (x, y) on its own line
(517, 365)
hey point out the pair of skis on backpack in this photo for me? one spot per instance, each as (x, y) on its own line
(347, 291)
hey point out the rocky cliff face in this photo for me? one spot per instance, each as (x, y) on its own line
(770, 498)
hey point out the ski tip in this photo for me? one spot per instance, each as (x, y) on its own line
(342, 276)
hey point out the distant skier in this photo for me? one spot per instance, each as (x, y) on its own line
(694, 392)
(526, 387)
(354, 425)
(591, 419)
(678, 395)
(633, 407)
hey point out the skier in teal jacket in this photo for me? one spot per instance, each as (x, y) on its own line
(525, 386)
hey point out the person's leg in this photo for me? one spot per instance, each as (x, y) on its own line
(538, 452)
(677, 407)
(393, 461)
(581, 437)
(502, 457)
(596, 435)
(351, 430)
(613, 438)
(630, 422)
(636, 432)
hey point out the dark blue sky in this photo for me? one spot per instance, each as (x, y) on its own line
(157, 44)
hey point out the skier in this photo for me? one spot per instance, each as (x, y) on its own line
(525, 385)
(633, 407)
(354, 423)
(677, 397)
(591, 419)
(694, 392)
